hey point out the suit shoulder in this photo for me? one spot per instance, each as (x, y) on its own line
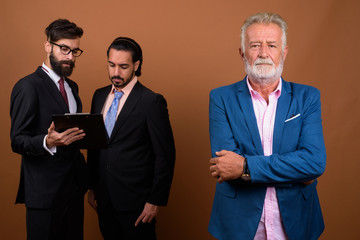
(299, 86)
(103, 90)
(148, 93)
(224, 90)
(25, 91)
(303, 89)
(303, 94)
(28, 82)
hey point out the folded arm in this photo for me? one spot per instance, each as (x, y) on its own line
(302, 164)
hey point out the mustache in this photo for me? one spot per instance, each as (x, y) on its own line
(117, 77)
(263, 61)
(71, 63)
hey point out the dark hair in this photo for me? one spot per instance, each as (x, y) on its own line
(128, 44)
(63, 28)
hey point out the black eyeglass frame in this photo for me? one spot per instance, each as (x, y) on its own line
(74, 51)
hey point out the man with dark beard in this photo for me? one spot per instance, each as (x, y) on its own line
(267, 145)
(130, 178)
(52, 179)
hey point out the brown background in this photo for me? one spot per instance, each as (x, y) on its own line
(190, 47)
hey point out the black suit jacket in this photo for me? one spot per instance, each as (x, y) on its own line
(45, 180)
(137, 165)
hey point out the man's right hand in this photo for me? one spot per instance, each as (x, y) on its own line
(67, 137)
(226, 166)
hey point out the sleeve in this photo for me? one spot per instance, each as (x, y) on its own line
(221, 135)
(23, 112)
(162, 141)
(306, 162)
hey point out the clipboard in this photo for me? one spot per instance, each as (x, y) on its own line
(92, 124)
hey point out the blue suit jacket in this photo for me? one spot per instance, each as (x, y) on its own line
(298, 156)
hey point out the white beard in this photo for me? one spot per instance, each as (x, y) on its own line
(264, 74)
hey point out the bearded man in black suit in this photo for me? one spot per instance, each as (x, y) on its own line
(52, 179)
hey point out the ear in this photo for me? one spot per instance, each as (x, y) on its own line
(48, 47)
(137, 63)
(285, 52)
(241, 53)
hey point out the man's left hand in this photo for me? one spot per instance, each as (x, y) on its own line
(226, 166)
(148, 214)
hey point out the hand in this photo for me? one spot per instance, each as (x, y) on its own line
(148, 214)
(226, 166)
(92, 200)
(65, 138)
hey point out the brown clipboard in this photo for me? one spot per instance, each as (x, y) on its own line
(92, 124)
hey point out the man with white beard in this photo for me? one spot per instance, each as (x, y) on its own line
(267, 145)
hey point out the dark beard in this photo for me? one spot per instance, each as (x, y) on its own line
(124, 83)
(59, 69)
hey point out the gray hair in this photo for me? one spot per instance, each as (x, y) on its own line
(264, 18)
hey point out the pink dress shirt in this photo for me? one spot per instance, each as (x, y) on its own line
(126, 90)
(270, 226)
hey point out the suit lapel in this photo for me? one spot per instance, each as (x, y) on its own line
(249, 115)
(100, 100)
(51, 86)
(282, 110)
(129, 105)
(74, 91)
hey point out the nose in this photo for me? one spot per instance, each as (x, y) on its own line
(70, 56)
(264, 51)
(117, 71)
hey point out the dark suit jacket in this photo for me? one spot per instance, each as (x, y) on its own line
(45, 180)
(298, 155)
(137, 165)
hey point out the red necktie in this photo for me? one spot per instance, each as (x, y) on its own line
(62, 91)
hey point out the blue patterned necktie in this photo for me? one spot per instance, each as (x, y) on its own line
(110, 118)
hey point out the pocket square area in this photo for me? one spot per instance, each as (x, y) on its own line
(292, 118)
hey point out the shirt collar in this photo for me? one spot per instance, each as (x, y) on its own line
(51, 73)
(253, 93)
(128, 88)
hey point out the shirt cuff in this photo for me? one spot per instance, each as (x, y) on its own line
(52, 150)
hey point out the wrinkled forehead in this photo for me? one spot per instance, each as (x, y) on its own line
(261, 32)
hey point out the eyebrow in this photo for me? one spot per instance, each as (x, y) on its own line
(261, 42)
(63, 45)
(122, 64)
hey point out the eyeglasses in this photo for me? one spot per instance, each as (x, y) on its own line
(66, 50)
